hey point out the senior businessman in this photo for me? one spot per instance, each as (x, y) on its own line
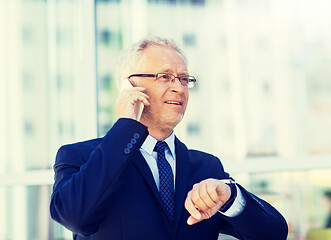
(140, 181)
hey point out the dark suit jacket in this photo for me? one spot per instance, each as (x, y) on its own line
(104, 189)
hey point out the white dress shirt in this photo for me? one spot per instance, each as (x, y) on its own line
(170, 154)
(151, 156)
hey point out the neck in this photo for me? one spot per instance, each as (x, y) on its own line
(158, 132)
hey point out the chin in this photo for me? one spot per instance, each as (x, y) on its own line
(172, 121)
(165, 120)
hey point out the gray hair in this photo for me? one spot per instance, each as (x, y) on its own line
(129, 57)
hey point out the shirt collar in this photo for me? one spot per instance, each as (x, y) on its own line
(150, 142)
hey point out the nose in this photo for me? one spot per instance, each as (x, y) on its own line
(176, 85)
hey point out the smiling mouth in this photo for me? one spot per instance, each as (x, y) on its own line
(173, 102)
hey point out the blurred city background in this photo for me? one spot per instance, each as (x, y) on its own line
(262, 102)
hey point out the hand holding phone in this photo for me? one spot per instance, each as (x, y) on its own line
(123, 107)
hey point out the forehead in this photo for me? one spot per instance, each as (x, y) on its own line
(161, 58)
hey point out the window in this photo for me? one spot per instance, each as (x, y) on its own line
(262, 105)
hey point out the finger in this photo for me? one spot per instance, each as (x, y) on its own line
(132, 91)
(197, 200)
(140, 89)
(134, 96)
(223, 192)
(127, 101)
(191, 208)
(142, 98)
(214, 192)
(191, 220)
(205, 194)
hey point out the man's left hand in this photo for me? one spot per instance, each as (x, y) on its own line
(205, 199)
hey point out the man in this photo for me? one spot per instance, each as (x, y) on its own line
(140, 181)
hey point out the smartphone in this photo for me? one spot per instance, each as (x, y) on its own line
(139, 106)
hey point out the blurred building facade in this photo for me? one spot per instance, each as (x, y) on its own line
(262, 102)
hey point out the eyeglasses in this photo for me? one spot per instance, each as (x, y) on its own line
(185, 80)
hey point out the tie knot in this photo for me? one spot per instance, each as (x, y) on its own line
(160, 146)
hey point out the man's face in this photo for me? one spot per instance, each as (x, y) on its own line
(168, 101)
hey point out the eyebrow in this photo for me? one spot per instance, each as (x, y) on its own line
(169, 70)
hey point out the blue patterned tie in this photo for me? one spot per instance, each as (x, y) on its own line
(166, 178)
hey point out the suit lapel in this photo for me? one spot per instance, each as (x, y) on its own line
(145, 171)
(182, 173)
(140, 162)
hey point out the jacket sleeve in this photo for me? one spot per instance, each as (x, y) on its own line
(258, 221)
(85, 181)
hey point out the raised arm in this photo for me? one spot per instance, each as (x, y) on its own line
(87, 175)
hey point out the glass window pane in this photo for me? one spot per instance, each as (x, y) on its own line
(47, 99)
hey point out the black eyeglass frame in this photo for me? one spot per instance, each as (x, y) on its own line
(191, 79)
